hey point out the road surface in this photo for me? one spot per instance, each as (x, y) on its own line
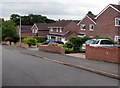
(25, 70)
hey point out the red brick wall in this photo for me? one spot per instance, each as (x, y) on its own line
(106, 24)
(54, 49)
(103, 53)
(87, 22)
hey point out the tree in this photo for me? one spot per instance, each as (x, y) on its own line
(30, 19)
(15, 18)
(9, 29)
(90, 13)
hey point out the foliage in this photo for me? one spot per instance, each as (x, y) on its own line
(52, 44)
(68, 45)
(90, 13)
(9, 29)
(43, 43)
(76, 41)
(69, 50)
(9, 39)
(30, 19)
(100, 37)
(41, 39)
(30, 41)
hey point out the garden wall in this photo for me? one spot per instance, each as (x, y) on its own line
(110, 54)
(53, 49)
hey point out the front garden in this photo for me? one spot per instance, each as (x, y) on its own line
(74, 44)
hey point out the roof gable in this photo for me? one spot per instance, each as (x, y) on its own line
(115, 7)
(90, 17)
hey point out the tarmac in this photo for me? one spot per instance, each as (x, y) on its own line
(76, 60)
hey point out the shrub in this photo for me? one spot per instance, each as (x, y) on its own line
(10, 39)
(30, 41)
(68, 45)
(77, 42)
(41, 39)
(69, 50)
(52, 44)
(100, 37)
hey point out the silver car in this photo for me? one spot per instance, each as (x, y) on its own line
(97, 42)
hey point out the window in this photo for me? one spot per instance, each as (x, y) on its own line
(56, 29)
(116, 38)
(83, 27)
(117, 21)
(60, 29)
(91, 28)
(105, 42)
(51, 29)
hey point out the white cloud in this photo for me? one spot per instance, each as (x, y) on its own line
(56, 9)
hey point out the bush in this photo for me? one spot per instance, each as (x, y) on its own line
(41, 39)
(30, 41)
(68, 45)
(69, 50)
(10, 39)
(100, 37)
(52, 44)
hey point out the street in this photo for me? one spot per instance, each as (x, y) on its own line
(25, 70)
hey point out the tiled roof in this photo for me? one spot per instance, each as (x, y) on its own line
(116, 6)
(43, 26)
(60, 23)
(92, 17)
(67, 34)
(26, 28)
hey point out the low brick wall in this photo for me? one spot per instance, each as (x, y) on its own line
(110, 54)
(24, 45)
(53, 49)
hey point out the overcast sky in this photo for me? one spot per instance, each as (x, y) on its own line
(54, 9)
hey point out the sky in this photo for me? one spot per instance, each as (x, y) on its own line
(54, 9)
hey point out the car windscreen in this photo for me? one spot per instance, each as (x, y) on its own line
(90, 42)
(107, 42)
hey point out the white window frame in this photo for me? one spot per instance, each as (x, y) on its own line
(56, 29)
(51, 29)
(81, 26)
(116, 23)
(60, 29)
(91, 26)
(116, 38)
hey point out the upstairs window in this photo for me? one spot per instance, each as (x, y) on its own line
(56, 29)
(60, 29)
(83, 27)
(51, 30)
(117, 21)
(91, 27)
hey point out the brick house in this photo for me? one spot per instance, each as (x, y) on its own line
(87, 26)
(63, 30)
(106, 23)
(40, 29)
(26, 30)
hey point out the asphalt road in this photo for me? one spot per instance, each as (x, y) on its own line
(24, 70)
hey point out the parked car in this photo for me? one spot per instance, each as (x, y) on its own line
(97, 42)
(52, 40)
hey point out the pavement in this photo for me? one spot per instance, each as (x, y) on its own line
(78, 55)
(99, 67)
